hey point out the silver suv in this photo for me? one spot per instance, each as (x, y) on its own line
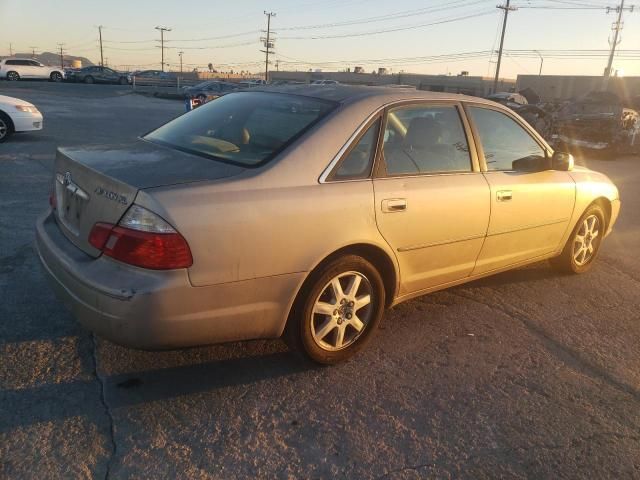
(14, 69)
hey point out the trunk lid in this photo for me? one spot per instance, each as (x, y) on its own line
(99, 183)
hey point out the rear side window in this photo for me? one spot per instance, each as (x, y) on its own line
(359, 159)
(503, 139)
(425, 139)
(245, 128)
(11, 62)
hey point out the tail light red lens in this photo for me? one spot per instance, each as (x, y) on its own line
(157, 251)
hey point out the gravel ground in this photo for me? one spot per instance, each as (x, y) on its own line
(526, 374)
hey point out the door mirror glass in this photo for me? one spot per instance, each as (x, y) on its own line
(532, 163)
(562, 161)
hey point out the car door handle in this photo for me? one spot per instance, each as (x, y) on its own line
(390, 205)
(504, 195)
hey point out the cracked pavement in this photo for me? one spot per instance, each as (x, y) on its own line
(527, 374)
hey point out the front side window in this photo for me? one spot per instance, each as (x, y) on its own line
(503, 139)
(425, 139)
(359, 158)
(245, 128)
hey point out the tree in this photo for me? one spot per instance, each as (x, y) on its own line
(210, 67)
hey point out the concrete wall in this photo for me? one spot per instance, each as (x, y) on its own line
(479, 86)
(567, 87)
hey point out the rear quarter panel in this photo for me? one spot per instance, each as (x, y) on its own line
(242, 229)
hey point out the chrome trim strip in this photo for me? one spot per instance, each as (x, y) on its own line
(528, 227)
(436, 244)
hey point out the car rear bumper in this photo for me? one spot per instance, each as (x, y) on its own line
(27, 122)
(149, 309)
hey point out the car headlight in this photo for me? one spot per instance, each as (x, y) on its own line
(27, 109)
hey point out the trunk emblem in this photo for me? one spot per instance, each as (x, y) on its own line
(111, 195)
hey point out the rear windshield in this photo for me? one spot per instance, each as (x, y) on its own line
(244, 128)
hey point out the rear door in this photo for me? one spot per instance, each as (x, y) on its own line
(431, 200)
(530, 211)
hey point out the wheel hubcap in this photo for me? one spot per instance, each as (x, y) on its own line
(585, 241)
(342, 311)
(3, 128)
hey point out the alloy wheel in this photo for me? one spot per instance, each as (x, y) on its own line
(13, 76)
(342, 311)
(586, 240)
(4, 129)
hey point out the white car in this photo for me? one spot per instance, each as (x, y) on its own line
(17, 116)
(16, 68)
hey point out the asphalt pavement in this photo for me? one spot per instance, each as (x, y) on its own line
(527, 374)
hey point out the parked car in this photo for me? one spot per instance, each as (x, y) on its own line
(209, 90)
(599, 122)
(153, 77)
(14, 69)
(287, 211)
(97, 74)
(325, 82)
(506, 98)
(17, 116)
(252, 83)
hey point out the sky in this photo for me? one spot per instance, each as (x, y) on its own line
(407, 35)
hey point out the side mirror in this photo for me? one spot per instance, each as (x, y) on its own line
(562, 161)
(532, 163)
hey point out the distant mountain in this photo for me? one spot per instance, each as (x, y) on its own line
(49, 58)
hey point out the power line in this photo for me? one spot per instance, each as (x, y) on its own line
(394, 29)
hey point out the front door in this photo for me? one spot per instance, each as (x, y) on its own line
(530, 211)
(432, 203)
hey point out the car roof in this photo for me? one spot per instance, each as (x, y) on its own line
(350, 93)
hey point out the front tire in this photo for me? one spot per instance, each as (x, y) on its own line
(13, 76)
(88, 80)
(55, 77)
(6, 127)
(583, 245)
(337, 311)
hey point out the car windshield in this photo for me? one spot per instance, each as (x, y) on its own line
(245, 128)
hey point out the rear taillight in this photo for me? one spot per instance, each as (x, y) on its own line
(142, 239)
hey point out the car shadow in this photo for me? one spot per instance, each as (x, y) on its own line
(532, 273)
(53, 402)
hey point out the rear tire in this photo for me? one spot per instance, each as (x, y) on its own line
(89, 80)
(6, 127)
(584, 243)
(123, 81)
(337, 310)
(55, 77)
(13, 76)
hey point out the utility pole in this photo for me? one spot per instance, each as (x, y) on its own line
(162, 30)
(507, 8)
(617, 26)
(10, 50)
(541, 62)
(268, 45)
(180, 55)
(101, 54)
(61, 55)
(33, 52)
